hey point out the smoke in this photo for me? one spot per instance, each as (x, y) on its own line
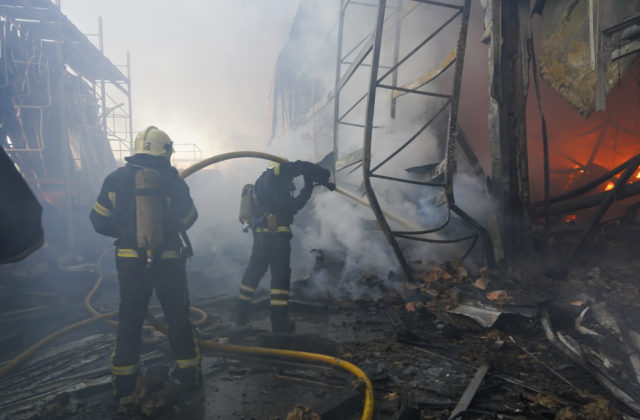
(201, 70)
(204, 72)
(343, 227)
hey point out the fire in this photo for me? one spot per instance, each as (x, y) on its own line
(609, 186)
(570, 218)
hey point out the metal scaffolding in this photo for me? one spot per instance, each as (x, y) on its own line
(358, 52)
(115, 113)
(55, 113)
(442, 177)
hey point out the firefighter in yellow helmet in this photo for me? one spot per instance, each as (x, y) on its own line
(147, 207)
(272, 211)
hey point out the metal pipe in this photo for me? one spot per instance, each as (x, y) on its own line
(629, 190)
(545, 138)
(604, 206)
(439, 3)
(452, 134)
(129, 102)
(362, 98)
(429, 38)
(103, 98)
(64, 138)
(408, 181)
(396, 56)
(420, 92)
(5, 57)
(412, 138)
(368, 132)
(452, 130)
(487, 245)
(592, 48)
(437, 241)
(336, 98)
(588, 186)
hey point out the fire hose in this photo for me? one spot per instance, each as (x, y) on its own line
(367, 412)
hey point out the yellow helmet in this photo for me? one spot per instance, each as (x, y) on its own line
(153, 141)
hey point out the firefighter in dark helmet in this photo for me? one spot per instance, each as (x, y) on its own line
(146, 206)
(272, 210)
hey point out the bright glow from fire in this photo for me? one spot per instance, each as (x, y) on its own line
(570, 218)
(609, 186)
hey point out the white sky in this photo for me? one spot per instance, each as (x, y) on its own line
(202, 70)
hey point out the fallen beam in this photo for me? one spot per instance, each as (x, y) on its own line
(473, 386)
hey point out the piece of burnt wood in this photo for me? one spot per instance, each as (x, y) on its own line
(573, 351)
(473, 386)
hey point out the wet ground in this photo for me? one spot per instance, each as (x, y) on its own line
(419, 364)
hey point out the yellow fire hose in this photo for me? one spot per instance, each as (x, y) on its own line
(367, 412)
(232, 155)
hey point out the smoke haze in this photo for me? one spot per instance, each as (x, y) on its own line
(204, 72)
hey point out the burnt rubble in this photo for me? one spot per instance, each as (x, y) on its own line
(457, 339)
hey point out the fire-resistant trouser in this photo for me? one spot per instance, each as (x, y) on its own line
(168, 278)
(270, 250)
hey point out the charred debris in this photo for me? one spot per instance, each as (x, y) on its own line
(526, 310)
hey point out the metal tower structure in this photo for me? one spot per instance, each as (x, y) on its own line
(55, 111)
(385, 77)
(115, 113)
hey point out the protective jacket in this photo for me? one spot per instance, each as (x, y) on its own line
(114, 211)
(275, 207)
(274, 193)
(114, 214)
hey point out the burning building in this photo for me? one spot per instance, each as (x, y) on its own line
(490, 152)
(572, 137)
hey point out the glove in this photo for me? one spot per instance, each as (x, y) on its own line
(330, 186)
(316, 173)
(322, 176)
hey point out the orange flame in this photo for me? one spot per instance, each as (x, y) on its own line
(570, 218)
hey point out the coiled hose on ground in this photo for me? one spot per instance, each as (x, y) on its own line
(367, 411)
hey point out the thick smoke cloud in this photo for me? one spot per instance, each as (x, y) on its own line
(203, 71)
(339, 224)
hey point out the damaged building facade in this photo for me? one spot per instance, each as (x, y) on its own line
(496, 144)
(533, 139)
(59, 118)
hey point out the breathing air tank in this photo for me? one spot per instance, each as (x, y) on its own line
(246, 206)
(149, 211)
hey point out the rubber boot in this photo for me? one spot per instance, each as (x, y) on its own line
(189, 378)
(123, 385)
(280, 323)
(240, 312)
